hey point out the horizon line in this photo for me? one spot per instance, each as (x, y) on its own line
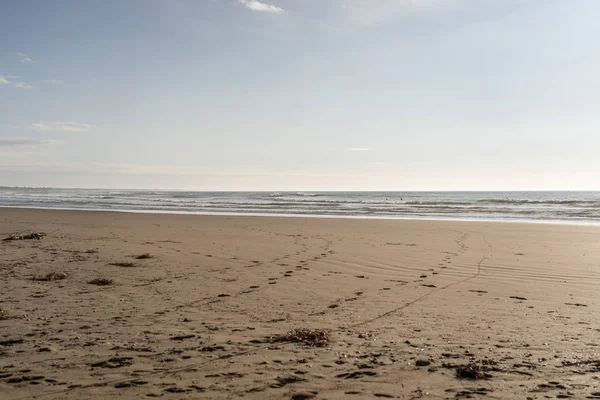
(301, 191)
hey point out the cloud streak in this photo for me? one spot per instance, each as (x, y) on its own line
(256, 5)
(5, 80)
(148, 170)
(374, 11)
(9, 142)
(24, 58)
(23, 85)
(56, 82)
(70, 127)
(358, 149)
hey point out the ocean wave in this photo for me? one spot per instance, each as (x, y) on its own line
(308, 194)
(563, 206)
(296, 194)
(437, 202)
(538, 201)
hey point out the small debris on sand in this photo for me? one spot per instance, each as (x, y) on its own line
(356, 374)
(29, 236)
(115, 362)
(311, 337)
(282, 381)
(183, 337)
(101, 281)
(144, 256)
(51, 276)
(126, 264)
(303, 396)
(576, 304)
(11, 342)
(471, 372)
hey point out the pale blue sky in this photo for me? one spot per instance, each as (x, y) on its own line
(300, 94)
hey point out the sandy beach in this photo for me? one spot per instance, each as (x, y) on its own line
(409, 309)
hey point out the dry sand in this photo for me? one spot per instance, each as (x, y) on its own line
(414, 308)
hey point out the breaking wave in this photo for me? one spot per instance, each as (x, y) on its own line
(529, 206)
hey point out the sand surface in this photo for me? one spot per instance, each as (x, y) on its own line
(413, 308)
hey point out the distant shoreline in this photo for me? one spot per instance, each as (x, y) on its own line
(306, 191)
(315, 216)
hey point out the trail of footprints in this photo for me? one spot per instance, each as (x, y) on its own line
(302, 259)
(366, 363)
(446, 261)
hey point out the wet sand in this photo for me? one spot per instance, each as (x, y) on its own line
(413, 309)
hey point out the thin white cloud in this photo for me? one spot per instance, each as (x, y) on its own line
(377, 164)
(256, 5)
(71, 127)
(56, 82)
(24, 58)
(358, 149)
(23, 85)
(140, 169)
(6, 80)
(374, 11)
(8, 142)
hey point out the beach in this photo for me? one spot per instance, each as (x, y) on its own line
(189, 306)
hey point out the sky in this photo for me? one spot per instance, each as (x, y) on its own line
(300, 94)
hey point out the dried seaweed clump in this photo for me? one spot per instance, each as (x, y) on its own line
(126, 264)
(101, 281)
(144, 256)
(472, 372)
(310, 337)
(29, 236)
(51, 276)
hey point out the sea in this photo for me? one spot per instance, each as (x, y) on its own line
(562, 207)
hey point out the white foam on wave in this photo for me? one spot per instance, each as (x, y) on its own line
(532, 206)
